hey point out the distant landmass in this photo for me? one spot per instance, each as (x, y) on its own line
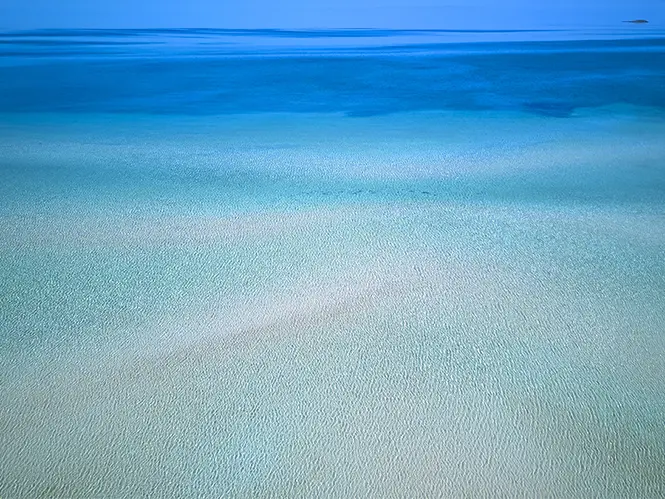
(637, 21)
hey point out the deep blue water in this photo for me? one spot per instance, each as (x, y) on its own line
(211, 72)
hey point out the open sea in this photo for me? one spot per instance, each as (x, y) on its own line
(352, 263)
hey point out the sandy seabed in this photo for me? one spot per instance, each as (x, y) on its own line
(393, 340)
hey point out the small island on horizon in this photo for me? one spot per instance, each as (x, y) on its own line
(637, 21)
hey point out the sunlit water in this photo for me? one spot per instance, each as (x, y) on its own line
(347, 264)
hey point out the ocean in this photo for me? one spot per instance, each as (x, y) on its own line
(332, 263)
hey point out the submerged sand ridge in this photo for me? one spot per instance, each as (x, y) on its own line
(373, 361)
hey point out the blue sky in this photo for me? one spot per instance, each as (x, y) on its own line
(447, 14)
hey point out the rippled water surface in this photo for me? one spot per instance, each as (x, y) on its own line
(332, 264)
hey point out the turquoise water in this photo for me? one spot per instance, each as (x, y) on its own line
(327, 286)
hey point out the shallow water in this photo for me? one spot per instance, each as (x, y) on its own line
(249, 273)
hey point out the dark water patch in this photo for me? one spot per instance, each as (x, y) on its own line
(557, 109)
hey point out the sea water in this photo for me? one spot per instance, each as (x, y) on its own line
(332, 263)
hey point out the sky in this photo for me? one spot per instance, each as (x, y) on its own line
(443, 14)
